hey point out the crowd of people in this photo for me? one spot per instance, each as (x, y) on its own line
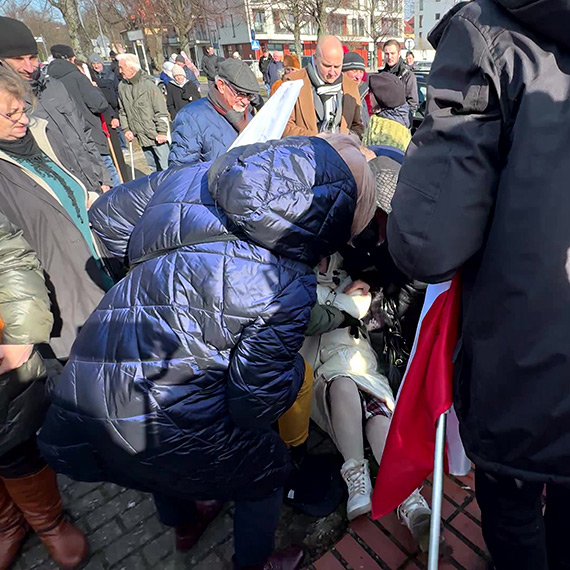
(177, 333)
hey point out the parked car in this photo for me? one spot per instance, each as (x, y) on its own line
(419, 115)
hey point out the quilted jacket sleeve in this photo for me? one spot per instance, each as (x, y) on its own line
(186, 141)
(447, 184)
(266, 371)
(114, 215)
(24, 304)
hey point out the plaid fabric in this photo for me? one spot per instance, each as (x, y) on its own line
(372, 406)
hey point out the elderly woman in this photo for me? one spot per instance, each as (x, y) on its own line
(43, 215)
(177, 379)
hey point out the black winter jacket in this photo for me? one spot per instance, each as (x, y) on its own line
(178, 96)
(72, 138)
(89, 99)
(25, 318)
(484, 187)
(210, 65)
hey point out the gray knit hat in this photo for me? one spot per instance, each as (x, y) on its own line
(386, 171)
(353, 60)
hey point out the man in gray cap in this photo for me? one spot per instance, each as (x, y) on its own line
(205, 129)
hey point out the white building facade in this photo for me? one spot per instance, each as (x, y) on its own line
(427, 14)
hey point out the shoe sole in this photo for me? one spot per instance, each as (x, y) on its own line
(359, 512)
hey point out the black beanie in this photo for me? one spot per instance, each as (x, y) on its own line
(16, 39)
(353, 60)
(61, 51)
(388, 89)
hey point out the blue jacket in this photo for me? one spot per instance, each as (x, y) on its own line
(175, 380)
(200, 134)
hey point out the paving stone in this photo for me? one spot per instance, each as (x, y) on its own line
(95, 563)
(35, 556)
(129, 542)
(211, 562)
(87, 503)
(159, 548)
(137, 514)
(106, 512)
(105, 535)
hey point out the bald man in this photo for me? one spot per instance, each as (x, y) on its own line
(328, 102)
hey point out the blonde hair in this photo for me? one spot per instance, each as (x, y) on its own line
(12, 84)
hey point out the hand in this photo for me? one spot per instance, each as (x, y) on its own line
(14, 355)
(129, 136)
(115, 123)
(354, 325)
(105, 188)
(161, 139)
(357, 285)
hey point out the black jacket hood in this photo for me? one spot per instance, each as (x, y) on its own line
(548, 18)
(58, 68)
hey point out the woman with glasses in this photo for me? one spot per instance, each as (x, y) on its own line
(43, 220)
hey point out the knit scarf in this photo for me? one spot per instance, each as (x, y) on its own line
(26, 149)
(328, 101)
(237, 120)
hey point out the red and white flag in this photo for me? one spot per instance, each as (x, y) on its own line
(425, 394)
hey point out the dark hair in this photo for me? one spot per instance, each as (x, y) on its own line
(409, 52)
(394, 43)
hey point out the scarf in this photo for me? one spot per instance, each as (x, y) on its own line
(328, 100)
(398, 69)
(237, 120)
(26, 149)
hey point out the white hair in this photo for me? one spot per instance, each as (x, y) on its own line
(130, 59)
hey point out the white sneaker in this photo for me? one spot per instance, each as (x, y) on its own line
(357, 478)
(415, 513)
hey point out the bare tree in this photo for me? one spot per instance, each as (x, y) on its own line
(78, 35)
(385, 20)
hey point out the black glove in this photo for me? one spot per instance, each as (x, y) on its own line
(354, 324)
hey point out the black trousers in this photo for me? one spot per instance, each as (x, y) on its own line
(517, 534)
(22, 460)
(255, 523)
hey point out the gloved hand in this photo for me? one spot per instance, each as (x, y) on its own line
(354, 324)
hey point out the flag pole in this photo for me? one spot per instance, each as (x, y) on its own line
(132, 160)
(437, 494)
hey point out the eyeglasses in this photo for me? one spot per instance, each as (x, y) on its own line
(239, 94)
(16, 116)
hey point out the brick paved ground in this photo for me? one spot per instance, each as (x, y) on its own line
(124, 533)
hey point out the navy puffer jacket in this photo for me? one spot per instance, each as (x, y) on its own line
(176, 379)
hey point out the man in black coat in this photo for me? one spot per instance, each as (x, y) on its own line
(89, 100)
(210, 63)
(484, 188)
(396, 65)
(71, 138)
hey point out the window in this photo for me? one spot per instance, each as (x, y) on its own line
(437, 16)
(421, 5)
(259, 24)
(338, 25)
(354, 27)
(361, 30)
(421, 35)
(421, 22)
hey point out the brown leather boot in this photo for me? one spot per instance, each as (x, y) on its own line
(37, 496)
(13, 529)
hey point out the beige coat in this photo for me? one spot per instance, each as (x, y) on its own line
(303, 120)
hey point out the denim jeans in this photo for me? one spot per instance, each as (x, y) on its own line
(108, 162)
(518, 536)
(255, 523)
(157, 156)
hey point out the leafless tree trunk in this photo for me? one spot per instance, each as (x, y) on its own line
(79, 39)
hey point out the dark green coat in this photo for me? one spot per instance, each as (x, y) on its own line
(26, 319)
(143, 108)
